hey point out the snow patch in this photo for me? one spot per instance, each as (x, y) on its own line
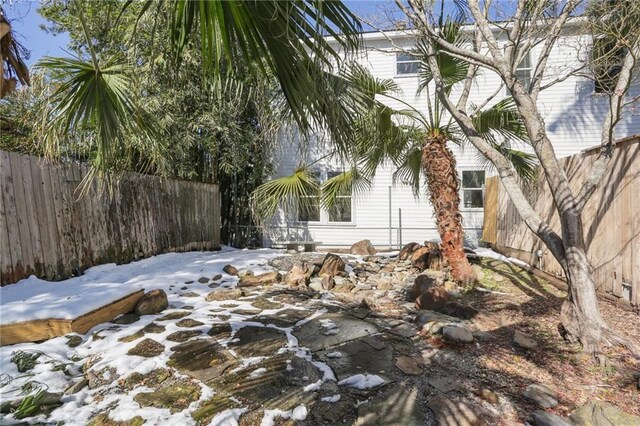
(362, 381)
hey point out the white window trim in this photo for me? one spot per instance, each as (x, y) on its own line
(462, 189)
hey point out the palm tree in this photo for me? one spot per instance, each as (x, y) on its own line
(415, 142)
(12, 66)
(284, 40)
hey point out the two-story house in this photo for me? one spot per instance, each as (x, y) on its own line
(388, 213)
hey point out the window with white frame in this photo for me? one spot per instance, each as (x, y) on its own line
(407, 64)
(473, 189)
(524, 72)
(341, 210)
(310, 210)
(309, 206)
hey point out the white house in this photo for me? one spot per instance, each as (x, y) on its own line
(389, 215)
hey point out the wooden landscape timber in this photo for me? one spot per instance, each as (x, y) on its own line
(38, 330)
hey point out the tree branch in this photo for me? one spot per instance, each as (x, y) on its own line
(611, 120)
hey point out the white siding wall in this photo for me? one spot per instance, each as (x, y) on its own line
(572, 112)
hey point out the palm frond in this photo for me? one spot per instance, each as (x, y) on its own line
(409, 169)
(300, 188)
(348, 183)
(501, 119)
(285, 39)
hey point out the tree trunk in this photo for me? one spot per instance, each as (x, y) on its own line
(580, 316)
(439, 167)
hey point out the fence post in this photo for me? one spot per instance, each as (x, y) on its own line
(390, 222)
(400, 228)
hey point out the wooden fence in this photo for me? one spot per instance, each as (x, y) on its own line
(47, 230)
(611, 220)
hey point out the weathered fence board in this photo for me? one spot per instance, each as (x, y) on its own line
(46, 229)
(611, 220)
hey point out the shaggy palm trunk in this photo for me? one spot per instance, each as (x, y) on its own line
(439, 167)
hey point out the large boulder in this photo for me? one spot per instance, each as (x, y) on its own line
(299, 275)
(600, 413)
(421, 284)
(363, 248)
(230, 270)
(432, 246)
(457, 333)
(407, 250)
(267, 278)
(427, 258)
(434, 299)
(332, 265)
(152, 302)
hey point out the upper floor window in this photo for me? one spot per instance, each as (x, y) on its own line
(524, 72)
(472, 188)
(407, 64)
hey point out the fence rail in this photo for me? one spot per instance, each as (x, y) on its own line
(46, 230)
(611, 220)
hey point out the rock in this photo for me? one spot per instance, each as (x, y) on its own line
(126, 319)
(253, 341)
(147, 348)
(407, 250)
(230, 270)
(524, 340)
(409, 365)
(600, 413)
(74, 340)
(459, 310)
(451, 412)
(488, 395)
(152, 302)
(175, 396)
(331, 265)
(216, 277)
(433, 260)
(299, 275)
(174, 316)
(102, 419)
(245, 272)
(344, 287)
(483, 336)
(363, 248)
(220, 330)
(542, 418)
(203, 359)
(541, 395)
(397, 405)
(327, 282)
(221, 295)
(431, 322)
(268, 278)
(431, 245)
(421, 284)
(419, 253)
(203, 280)
(182, 336)
(189, 323)
(479, 270)
(385, 284)
(434, 299)
(266, 304)
(457, 333)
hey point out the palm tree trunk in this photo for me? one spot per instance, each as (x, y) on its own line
(439, 167)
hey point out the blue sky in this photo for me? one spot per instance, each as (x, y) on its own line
(26, 22)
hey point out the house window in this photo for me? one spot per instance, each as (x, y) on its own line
(309, 206)
(407, 64)
(523, 72)
(341, 210)
(310, 210)
(472, 188)
(607, 64)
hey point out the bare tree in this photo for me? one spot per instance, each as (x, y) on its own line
(499, 39)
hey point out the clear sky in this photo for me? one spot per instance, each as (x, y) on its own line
(26, 22)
